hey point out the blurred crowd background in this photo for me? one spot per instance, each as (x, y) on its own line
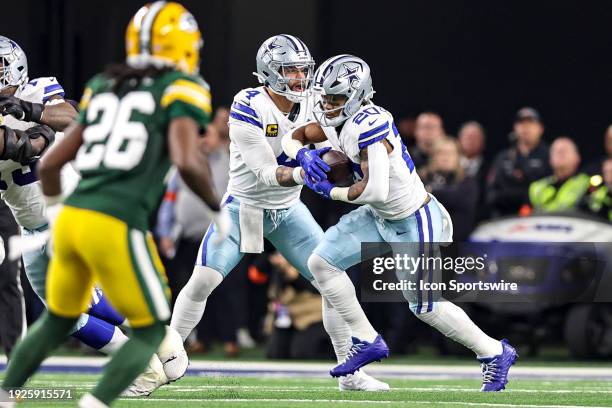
(503, 107)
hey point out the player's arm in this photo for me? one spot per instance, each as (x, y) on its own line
(24, 146)
(190, 161)
(374, 186)
(294, 146)
(310, 132)
(55, 113)
(58, 113)
(50, 166)
(260, 159)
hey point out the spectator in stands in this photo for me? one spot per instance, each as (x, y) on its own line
(220, 121)
(295, 321)
(595, 166)
(564, 190)
(471, 137)
(472, 140)
(514, 169)
(406, 127)
(599, 198)
(444, 177)
(429, 128)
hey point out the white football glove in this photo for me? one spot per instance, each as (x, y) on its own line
(223, 224)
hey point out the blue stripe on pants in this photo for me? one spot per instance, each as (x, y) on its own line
(420, 271)
(431, 254)
(211, 229)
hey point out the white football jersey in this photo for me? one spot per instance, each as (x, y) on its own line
(253, 108)
(371, 124)
(19, 187)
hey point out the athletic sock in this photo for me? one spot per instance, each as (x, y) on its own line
(102, 309)
(100, 335)
(338, 331)
(191, 301)
(450, 320)
(45, 335)
(337, 288)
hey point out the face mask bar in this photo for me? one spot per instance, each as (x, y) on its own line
(288, 73)
(5, 73)
(328, 117)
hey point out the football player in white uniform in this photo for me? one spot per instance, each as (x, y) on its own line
(396, 208)
(32, 110)
(263, 195)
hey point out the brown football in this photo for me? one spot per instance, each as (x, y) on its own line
(341, 171)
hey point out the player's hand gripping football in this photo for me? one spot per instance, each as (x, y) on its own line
(22, 110)
(311, 162)
(322, 187)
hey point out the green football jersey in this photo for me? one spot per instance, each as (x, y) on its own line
(124, 158)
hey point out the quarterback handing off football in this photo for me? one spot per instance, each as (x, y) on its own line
(341, 170)
(309, 154)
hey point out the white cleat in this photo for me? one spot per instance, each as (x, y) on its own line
(5, 400)
(173, 356)
(360, 381)
(89, 401)
(147, 382)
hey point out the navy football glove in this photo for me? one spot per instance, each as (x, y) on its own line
(322, 187)
(312, 163)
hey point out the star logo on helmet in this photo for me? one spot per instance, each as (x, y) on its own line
(350, 74)
(273, 45)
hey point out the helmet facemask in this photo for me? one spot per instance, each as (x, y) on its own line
(329, 110)
(292, 75)
(13, 68)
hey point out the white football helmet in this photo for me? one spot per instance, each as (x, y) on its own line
(278, 54)
(13, 64)
(346, 76)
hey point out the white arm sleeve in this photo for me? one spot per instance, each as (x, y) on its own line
(323, 144)
(256, 153)
(377, 186)
(291, 146)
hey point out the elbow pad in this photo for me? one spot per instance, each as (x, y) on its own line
(17, 146)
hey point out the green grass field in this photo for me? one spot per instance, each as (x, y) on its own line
(249, 392)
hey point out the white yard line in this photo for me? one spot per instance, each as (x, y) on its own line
(312, 401)
(299, 369)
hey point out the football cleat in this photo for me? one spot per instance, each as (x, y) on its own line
(89, 401)
(173, 356)
(147, 382)
(5, 400)
(360, 381)
(361, 353)
(495, 369)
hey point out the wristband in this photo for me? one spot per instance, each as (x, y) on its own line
(340, 194)
(52, 200)
(297, 176)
